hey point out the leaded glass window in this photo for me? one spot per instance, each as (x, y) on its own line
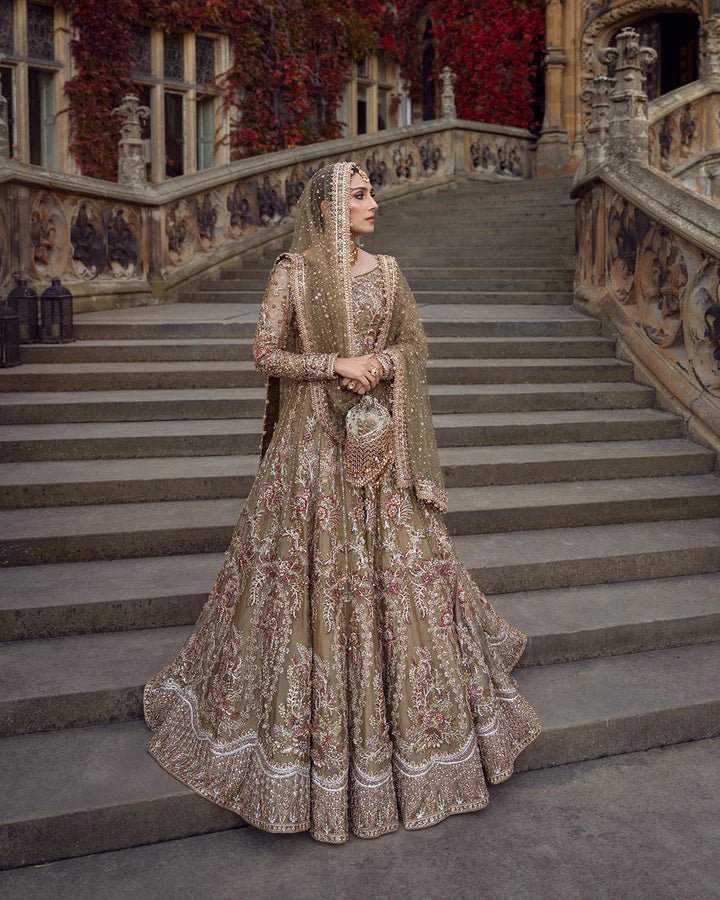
(41, 31)
(174, 56)
(140, 51)
(7, 44)
(204, 60)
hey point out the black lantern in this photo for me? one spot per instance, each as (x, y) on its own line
(56, 314)
(9, 337)
(24, 300)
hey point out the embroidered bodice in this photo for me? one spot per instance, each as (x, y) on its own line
(276, 321)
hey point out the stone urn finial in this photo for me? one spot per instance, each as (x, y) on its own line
(598, 98)
(131, 148)
(448, 77)
(628, 126)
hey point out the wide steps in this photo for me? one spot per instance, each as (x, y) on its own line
(223, 437)
(87, 790)
(37, 407)
(160, 375)
(219, 349)
(51, 600)
(517, 297)
(112, 531)
(235, 320)
(77, 483)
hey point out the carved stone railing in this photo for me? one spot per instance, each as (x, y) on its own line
(118, 245)
(685, 131)
(648, 263)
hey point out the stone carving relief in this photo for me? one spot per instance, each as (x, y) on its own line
(678, 136)
(87, 237)
(241, 205)
(701, 324)
(49, 237)
(123, 239)
(669, 287)
(179, 219)
(496, 155)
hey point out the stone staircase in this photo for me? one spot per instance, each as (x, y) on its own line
(576, 504)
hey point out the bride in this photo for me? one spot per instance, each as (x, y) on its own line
(346, 674)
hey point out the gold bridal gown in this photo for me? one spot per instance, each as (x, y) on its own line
(346, 674)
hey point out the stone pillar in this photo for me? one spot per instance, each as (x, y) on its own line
(448, 77)
(131, 154)
(4, 126)
(628, 131)
(598, 96)
(710, 50)
(553, 150)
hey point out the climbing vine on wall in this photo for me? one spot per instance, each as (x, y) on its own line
(291, 60)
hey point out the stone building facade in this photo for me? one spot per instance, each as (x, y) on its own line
(576, 33)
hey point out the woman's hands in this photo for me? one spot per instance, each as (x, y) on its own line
(358, 373)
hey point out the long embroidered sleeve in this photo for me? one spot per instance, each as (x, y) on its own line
(273, 329)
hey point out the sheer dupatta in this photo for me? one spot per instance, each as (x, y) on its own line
(321, 297)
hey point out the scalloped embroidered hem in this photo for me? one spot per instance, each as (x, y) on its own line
(240, 778)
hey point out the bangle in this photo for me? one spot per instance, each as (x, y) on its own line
(331, 365)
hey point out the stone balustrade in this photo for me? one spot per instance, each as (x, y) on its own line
(128, 244)
(648, 260)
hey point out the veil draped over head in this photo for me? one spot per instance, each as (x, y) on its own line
(321, 286)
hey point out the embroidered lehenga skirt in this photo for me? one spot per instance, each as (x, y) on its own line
(346, 674)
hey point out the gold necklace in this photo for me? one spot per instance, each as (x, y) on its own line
(355, 253)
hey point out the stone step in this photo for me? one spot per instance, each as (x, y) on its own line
(79, 483)
(555, 257)
(611, 619)
(479, 297)
(85, 680)
(21, 408)
(226, 349)
(88, 790)
(239, 320)
(60, 599)
(115, 531)
(223, 437)
(573, 802)
(463, 273)
(562, 283)
(184, 375)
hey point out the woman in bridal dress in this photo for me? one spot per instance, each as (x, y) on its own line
(346, 674)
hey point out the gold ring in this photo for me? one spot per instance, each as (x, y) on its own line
(373, 372)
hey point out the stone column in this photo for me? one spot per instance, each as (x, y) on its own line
(598, 96)
(4, 126)
(710, 50)
(628, 131)
(131, 153)
(448, 77)
(553, 150)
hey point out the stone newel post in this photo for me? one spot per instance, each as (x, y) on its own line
(628, 131)
(131, 156)
(448, 77)
(598, 96)
(710, 50)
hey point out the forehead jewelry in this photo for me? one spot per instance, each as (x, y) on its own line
(363, 175)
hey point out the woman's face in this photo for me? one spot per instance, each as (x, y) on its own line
(362, 206)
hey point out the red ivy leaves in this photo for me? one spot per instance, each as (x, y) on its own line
(292, 57)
